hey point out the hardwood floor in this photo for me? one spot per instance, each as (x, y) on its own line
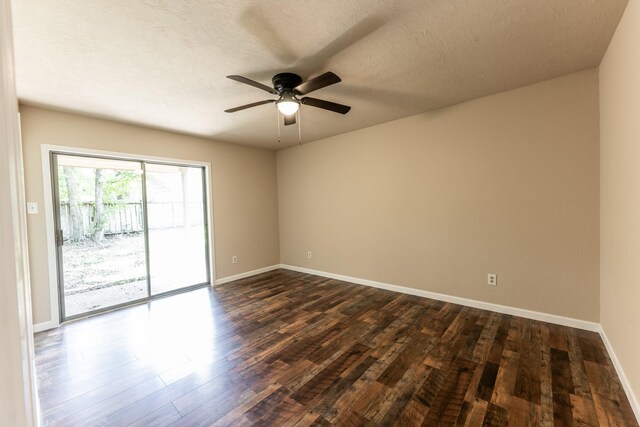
(286, 348)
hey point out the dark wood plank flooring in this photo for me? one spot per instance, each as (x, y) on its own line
(286, 349)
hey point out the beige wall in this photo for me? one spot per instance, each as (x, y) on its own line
(620, 193)
(244, 189)
(506, 184)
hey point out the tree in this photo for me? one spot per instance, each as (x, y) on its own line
(75, 231)
(111, 189)
(99, 218)
(119, 185)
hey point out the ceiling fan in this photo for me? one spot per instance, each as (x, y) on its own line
(289, 87)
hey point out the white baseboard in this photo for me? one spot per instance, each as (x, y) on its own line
(246, 274)
(626, 385)
(529, 314)
(45, 326)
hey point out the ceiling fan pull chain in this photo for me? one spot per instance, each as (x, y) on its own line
(299, 128)
(278, 124)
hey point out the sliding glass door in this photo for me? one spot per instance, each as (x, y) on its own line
(126, 231)
(101, 246)
(177, 227)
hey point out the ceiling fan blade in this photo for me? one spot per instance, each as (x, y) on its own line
(290, 120)
(323, 80)
(253, 104)
(253, 83)
(327, 105)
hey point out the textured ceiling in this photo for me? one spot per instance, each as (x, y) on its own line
(163, 63)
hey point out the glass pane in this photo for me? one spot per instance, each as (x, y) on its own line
(101, 217)
(177, 240)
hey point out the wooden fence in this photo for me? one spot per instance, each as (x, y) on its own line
(124, 218)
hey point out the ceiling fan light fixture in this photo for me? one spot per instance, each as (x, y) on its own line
(288, 108)
(288, 105)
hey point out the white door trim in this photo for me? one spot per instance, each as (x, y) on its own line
(19, 405)
(45, 152)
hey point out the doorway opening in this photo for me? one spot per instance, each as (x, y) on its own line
(127, 231)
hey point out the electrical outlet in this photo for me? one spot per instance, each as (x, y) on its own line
(492, 279)
(234, 259)
(309, 254)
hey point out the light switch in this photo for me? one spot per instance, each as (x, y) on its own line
(32, 208)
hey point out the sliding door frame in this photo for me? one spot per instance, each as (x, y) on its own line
(59, 238)
(56, 293)
(145, 227)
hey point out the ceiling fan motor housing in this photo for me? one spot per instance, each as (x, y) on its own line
(285, 82)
